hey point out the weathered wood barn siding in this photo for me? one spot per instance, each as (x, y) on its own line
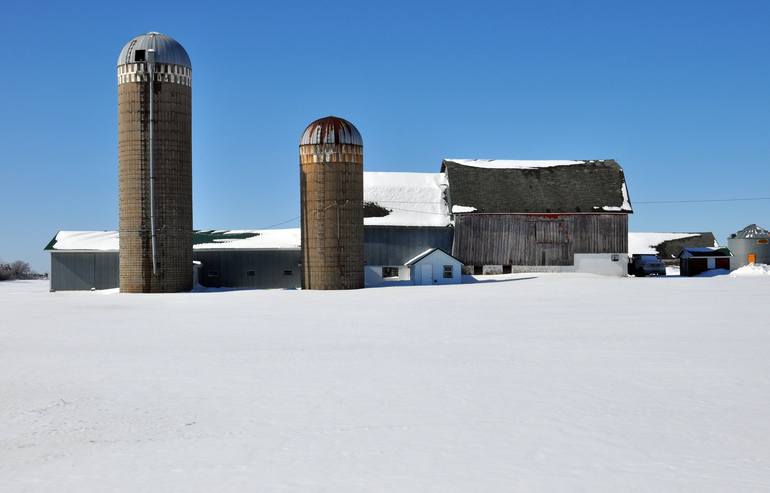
(536, 239)
(394, 245)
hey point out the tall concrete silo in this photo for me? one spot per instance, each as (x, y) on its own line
(155, 165)
(331, 156)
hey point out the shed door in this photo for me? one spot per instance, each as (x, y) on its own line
(426, 274)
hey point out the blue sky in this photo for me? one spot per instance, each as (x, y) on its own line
(676, 91)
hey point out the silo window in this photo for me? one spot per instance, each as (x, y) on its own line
(287, 273)
(139, 56)
(250, 273)
(448, 272)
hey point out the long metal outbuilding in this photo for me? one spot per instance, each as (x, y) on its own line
(83, 260)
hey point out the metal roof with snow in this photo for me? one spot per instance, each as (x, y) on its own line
(243, 239)
(705, 252)
(552, 186)
(752, 232)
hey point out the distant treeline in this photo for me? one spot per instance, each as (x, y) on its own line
(18, 270)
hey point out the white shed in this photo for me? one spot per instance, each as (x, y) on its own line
(435, 266)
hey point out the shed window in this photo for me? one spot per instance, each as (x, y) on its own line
(389, 272)
(250, 273)
(287, 273)
(448, 272)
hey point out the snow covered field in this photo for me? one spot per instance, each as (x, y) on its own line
(534, 383)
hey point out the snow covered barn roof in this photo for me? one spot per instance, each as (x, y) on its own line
(405, 199)
(504, 186)
(667, 245)
(752, 231)
(244, 239)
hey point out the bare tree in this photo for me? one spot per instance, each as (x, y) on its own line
(15, 270)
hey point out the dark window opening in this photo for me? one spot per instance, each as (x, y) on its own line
(139, 56)
(389, 272)
(288, 272)
(250, 273)
(448, 272)
(478, 270)
(506, 269)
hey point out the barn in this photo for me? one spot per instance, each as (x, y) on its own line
(523, 216)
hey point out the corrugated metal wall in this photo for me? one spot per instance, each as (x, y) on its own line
(394, 245)
(84, 270)
(250, 269)
(72, 271)
(536, 239)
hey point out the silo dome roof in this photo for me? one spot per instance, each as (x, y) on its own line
(167, 50)
(331, 130)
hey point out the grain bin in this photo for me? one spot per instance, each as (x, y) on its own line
(155, 165)
(749, 245)
(331, 155)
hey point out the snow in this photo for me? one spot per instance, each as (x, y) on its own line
(413, 199)
(87, 240)
(266, 239)
(751, 270)
(515, 383)
(515, 164)
(645, 243)
(462, 208)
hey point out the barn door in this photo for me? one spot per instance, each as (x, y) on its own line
(553, 240)
(426, 274)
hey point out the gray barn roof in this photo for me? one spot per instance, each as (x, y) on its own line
(498, 186)
(167, 49)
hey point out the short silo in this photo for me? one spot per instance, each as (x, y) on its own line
(155, 165)
(331, 155)
(751, 245)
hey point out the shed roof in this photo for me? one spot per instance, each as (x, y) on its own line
(427, 253)
(562, 186)
(705, 252)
